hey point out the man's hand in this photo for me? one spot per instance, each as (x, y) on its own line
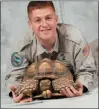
(19, 98)
(70, 91)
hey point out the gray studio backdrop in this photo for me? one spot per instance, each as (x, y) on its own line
(14, 26)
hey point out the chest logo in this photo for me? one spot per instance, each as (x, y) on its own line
(61, 57)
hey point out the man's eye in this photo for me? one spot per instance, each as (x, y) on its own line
(37, 21)
(48, 18)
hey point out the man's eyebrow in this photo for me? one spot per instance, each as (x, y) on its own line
(48, 15)
(38, 17)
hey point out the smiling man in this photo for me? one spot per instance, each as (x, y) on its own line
(63, 42)
(43, 21)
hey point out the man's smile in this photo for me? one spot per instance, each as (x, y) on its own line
(45, 31)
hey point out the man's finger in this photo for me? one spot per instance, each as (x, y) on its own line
(12, 88)
(74, 91)
(13, 94)
(63, 91)
(70, 93)
(79, 88)
(18, 98)
(79, 85)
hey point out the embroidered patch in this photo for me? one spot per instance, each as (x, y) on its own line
(16, 59)
(61, 57)
(85, 50)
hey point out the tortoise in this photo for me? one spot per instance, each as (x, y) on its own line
(43, 77)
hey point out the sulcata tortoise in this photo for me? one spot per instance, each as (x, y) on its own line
(44, 77)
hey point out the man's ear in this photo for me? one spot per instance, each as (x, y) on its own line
(30, 24)
(56, 19)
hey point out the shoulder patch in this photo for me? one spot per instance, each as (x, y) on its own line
(85, 50)
(16, 59)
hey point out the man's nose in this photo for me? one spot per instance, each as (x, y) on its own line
(44, 23)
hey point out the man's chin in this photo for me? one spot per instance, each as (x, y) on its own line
(46, 37)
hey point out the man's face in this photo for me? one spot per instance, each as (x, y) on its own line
(43, 22)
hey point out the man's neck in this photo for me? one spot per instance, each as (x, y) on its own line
(48, 44)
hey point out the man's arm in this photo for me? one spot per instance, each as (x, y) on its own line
(17, 66)
(85, 65)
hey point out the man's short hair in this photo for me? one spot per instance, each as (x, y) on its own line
(39, 4)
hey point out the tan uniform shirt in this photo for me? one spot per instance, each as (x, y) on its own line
(70, 47)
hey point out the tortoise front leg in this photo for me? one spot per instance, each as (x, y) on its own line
(62, 82)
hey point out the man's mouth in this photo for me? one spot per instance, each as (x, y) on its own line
(45, 30)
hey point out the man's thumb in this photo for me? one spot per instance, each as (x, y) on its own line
(79, 84)
(12, 88)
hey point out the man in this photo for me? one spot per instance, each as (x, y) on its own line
(48, 39)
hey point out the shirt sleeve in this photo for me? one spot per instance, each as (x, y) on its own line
(85, 69)
(16, 68)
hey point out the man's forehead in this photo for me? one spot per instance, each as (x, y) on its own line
(42, 16)
(39, 12)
